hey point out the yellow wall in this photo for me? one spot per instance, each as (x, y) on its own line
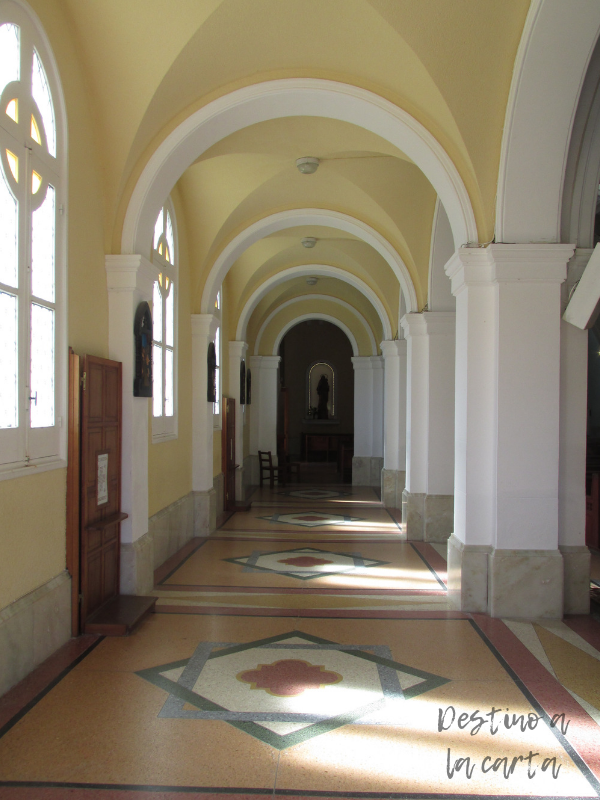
(32, 536)
(170, 463)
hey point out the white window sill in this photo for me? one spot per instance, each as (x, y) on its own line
(22, 469)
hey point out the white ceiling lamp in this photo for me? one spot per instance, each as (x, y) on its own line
(311, 281)
(308, 242)
(307, 165)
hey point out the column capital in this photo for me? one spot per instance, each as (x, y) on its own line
(508, 263)
(127, 273)
(270, 362)
(440, 323)
(362, 362)
(204, 325)
(238, 349)
(393, 348)
(413, 324)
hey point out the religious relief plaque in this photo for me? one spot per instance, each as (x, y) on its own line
(102, 480)
(142, 332)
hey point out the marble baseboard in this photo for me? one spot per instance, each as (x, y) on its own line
(240, 487)
(205, 512)
(219, 487)
(576, 561)
(251, 475)
(413, 515)
(468, 576)
(171, 528)
(393, 482)
(525, 584)
(137, 566)
(438, 517)
(32, 628)
(366, 470)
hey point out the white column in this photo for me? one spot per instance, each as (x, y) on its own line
(427, 505)
(507, 429)
(367, 461)
(572, 451)
(393, 476)
(130, 280)
(267, 404)
(204, 327)
(237, 354)
(377, 418)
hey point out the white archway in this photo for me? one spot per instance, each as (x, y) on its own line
(287, 98)
(326, 297)
(541, 107)
(326, 318)
(306, 216)
(311, 269)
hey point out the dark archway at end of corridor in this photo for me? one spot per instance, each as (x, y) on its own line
(315, 423)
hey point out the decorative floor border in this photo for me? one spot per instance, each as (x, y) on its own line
(542, 690)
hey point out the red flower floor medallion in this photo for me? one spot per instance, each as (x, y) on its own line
(289, 677)
(304, 561)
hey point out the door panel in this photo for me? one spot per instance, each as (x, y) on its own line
(100, 483)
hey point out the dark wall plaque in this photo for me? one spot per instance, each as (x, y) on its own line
(248, 386)
(142, 333)
(211, 364)
(242, 383)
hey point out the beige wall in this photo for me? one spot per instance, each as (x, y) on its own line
(32, 533)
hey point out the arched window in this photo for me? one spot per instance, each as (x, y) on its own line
(164, 328)
(32, 236)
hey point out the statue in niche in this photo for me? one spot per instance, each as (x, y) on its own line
(323, 392)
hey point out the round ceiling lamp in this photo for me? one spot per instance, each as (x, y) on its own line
(307, 165)
(308, 242)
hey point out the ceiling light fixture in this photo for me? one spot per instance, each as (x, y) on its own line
(311, 281)
(308, 242)
(307, 165)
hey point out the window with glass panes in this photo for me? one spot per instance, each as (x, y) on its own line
(164, 326)
(31, 226)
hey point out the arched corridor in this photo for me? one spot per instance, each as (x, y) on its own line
(297, 353)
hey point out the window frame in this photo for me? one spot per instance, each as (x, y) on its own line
(166, 428)
(36, 449)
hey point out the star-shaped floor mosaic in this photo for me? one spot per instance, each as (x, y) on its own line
(312, 519)
(314, 494)
(289, 688)
(304, 563)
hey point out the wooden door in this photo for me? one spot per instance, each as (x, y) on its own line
(73, 486)
(228, 459)
(100, 483)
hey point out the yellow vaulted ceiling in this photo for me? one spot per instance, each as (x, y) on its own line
(149, 63)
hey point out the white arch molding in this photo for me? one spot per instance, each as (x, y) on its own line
(326, 318)
(537, 132)
(322, 270)
(287, 98)
(326, 297)
(305, 216)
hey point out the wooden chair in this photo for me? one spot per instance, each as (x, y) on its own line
(265, 463)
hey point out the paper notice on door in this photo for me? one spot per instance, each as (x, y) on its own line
(102, 481)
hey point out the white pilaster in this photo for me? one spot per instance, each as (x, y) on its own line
(237, 354)
(367, 461)
(507, 422)
(204, 327)
(572, 451)
(394, 422)
(268, 395)
(428, 497)
(130, 280)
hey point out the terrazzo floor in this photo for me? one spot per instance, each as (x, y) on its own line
(307, 650)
